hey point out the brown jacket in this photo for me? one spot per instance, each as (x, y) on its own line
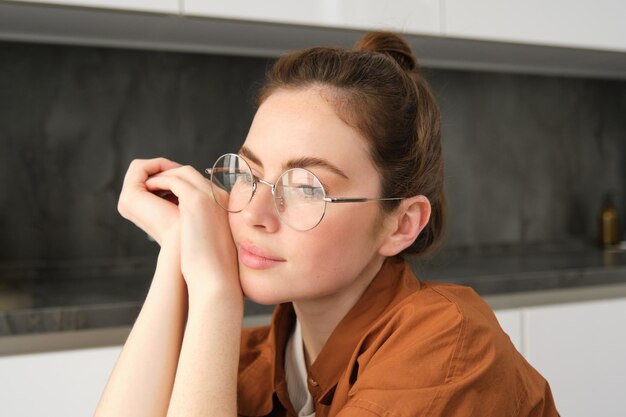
(407, 348)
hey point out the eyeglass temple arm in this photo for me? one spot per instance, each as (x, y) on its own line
(339, 199)
(358, 200)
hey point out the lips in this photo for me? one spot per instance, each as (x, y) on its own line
(260, 252)
(255, 257)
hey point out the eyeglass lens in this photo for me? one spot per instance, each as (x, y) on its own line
(298, 194)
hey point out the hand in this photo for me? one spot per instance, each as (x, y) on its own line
(208, 254)
(151, 213)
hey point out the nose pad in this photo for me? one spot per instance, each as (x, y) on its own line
(260, 192)
(280, 203)
(261, 210)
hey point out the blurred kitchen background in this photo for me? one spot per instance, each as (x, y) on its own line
(533, 100)
(529, 158)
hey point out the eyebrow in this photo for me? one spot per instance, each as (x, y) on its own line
(303, 162)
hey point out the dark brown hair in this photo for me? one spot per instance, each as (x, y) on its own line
(377, 88)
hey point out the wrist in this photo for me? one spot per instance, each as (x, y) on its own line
(211, 308)
(168, 263)
(215, 292)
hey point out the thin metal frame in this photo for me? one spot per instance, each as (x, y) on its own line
(326, 199)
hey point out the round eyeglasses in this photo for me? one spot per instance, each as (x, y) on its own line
(299, 196)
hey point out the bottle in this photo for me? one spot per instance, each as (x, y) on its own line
(609, 224)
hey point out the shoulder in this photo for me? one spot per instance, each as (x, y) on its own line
(442, 351)
(448, 324)
(452, 313)
(460, 309)
(475, 342)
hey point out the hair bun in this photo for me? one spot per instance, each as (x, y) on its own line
(390, 44)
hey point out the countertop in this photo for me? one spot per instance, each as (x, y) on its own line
(92, 298)
(512, 269)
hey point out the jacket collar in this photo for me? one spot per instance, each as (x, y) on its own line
(266, 373)
(393, 282)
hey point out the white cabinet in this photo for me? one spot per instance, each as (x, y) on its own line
(55, 384)
(408, 16)
(597, 24)
(589, 24)
(443, 33)
(307, 12)
(580, 348)
(159, 6)
(511, 322)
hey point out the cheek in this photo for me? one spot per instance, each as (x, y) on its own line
(236, 223)
(320, 261)
(339, 247)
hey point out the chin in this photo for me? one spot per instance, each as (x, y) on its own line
(262, 292)
(264, 298)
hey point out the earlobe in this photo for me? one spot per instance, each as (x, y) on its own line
(406, 224)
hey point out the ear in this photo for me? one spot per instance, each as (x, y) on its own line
(405, 224)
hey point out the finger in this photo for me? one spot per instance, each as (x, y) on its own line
(181, 188)
(167, 195)
(149, 212)
(190, 175)
(140, 169)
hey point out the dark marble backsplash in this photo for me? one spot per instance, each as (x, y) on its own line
(528, 158)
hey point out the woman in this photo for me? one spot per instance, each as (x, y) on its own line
(341, 175)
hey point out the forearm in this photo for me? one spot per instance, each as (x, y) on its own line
(206, 379)
(141, 382)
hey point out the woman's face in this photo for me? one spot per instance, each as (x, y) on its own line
(328, 259)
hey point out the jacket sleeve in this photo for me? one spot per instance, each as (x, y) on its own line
(452, 361)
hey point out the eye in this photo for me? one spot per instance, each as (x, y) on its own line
(325, 188)
(241, 177)
(245, 177)
(308, 191)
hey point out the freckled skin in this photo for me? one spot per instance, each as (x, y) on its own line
(336, 259)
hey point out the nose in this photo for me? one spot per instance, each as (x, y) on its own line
(260, 211)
